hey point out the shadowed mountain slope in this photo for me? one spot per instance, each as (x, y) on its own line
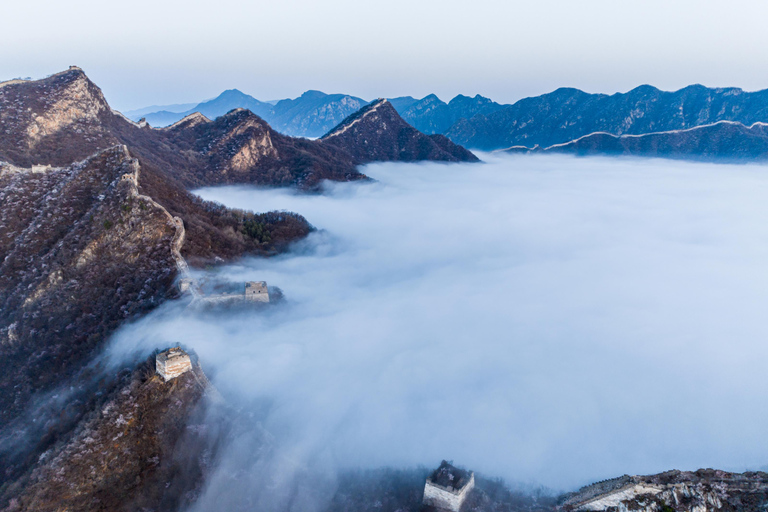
(377, 133)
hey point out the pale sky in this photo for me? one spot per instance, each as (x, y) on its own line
(167, 51)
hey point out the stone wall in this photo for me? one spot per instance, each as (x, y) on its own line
(447, 498)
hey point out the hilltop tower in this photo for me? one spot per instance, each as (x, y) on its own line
(447, 487)
(172, 363)
(256, 291)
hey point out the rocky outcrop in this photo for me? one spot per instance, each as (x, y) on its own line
(567, 114)
(377, 133)
(57, 120)
(240, 147)
(705, 490)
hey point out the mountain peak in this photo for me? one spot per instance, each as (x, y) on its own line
(193, 119)
(232, 93)
(313, 94)
(358, 117)
(58, 106)
(378, 133)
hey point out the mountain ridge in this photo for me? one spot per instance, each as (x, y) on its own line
(567, 114)
(396, 140)
(720, 141)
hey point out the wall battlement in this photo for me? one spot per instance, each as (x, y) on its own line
(172, 363)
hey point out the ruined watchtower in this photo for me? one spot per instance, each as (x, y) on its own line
(186, 284)
(172, 363)
(447, 487)
(256, 291)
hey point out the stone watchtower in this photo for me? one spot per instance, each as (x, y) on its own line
(256, 291)
(447, 487)
(172, 363)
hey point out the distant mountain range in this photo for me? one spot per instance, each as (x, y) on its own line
(567, 114)
(432, 115)
(310, 115)
(722, 140)
(314, 113)
(479, 123)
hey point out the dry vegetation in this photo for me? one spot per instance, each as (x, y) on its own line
(142, 448)
(79, 256)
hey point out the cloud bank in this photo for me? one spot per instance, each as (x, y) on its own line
(544, 319)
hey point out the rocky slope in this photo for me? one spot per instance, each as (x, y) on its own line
(240, 147)
(724, 140)
(138, 448)
(706, 490)
(80, 252)
(567, 114)
(377, 133)
(83, 248)
(65, 118)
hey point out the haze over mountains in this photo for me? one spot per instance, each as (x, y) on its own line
(310, 115)
(314, 113)
(551, 119)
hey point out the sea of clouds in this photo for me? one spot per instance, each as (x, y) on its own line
(546, 319)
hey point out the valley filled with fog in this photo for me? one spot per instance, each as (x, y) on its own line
(546, 319)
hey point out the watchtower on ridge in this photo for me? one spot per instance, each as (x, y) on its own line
(447, 487)
(256, 291)
(172, 363)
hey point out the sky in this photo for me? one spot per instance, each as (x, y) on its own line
(549, 320)
(174, 51)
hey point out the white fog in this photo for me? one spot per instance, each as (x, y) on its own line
(548, 320)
